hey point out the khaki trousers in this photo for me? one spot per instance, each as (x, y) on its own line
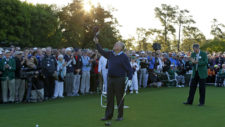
(8, 85)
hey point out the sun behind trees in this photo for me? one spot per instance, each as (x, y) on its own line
(41, 25)
(27, 25)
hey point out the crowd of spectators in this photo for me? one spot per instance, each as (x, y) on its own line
(40, 74)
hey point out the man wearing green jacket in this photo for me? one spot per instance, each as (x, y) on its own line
(199, 74)
(8, 67)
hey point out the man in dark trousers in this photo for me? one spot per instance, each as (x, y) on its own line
(49, 66)
(199, 74)
(118, 69)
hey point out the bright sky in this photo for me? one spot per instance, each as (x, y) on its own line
(140, 13)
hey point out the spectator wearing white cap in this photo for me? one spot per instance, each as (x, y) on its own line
(61, 73)
(69, 79)
(8, 67)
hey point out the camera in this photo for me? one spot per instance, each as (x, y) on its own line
(27, 73)
(156, 46)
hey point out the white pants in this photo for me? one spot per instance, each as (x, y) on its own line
(76, 84)
(134, 85)
(58, 89)
(105, 78)
(85, 82)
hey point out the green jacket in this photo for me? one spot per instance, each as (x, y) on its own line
(171, 73)
(221, 73)
(202, 65)
(10, 72)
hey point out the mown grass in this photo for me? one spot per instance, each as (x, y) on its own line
(152, 107)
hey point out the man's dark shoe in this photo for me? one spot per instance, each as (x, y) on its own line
(119, 119)
(186, 103)
(200, 105)
(105, 119)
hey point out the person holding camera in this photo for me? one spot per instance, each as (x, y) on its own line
(8, 68)
(31, 74)
(19, 81)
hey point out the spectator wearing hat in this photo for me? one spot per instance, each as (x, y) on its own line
(61, 73)
(69, 79)
(77, 72)
(135, 67)
(19, 82)
(8, 67)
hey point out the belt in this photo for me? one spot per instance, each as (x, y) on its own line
(110, 76)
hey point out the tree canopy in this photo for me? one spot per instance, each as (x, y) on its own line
(41, 25)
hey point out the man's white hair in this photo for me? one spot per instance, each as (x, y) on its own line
(68, 49)
(121, 44)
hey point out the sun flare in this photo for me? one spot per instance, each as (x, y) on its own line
(87, 5)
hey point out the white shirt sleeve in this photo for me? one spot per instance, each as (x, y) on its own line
(100, 64)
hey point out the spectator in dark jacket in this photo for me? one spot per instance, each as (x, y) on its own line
(49, 66)
(77, 72)
(19, 81)
(69, 79)
(94, 73)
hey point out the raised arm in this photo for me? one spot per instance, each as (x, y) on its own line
(106, 54)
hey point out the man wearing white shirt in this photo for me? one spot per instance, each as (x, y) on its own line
(135, 68)
(103, 69)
